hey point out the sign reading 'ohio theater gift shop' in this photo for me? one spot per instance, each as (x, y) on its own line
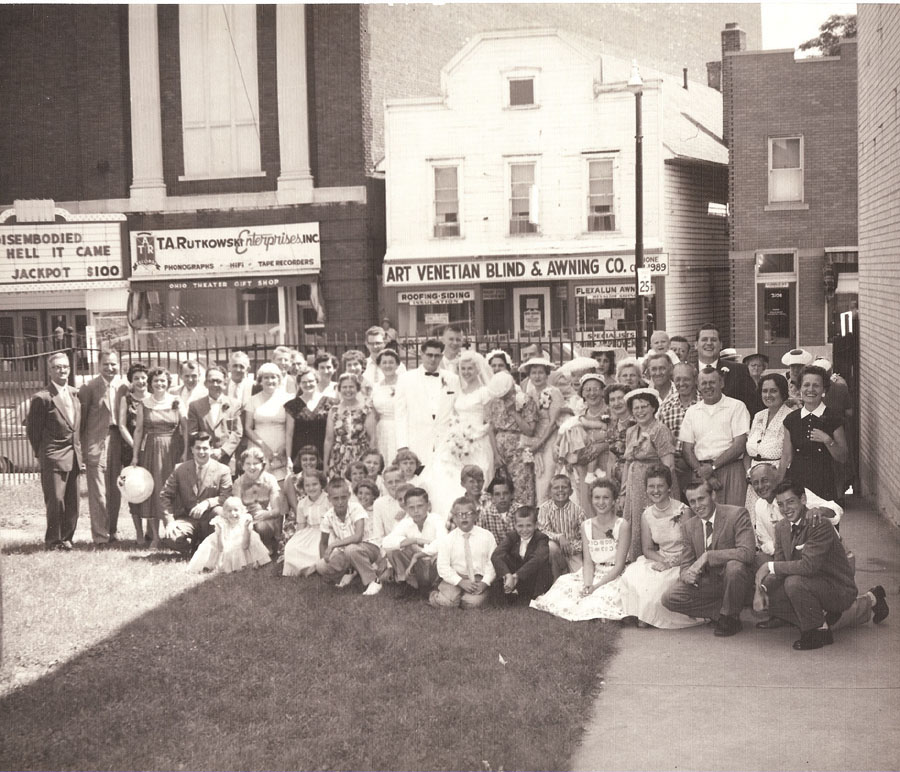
(518, 269)
(61, 253)
(222, 252)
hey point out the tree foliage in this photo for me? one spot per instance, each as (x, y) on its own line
(831, 32)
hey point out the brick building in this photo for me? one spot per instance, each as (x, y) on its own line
(879, 254)
(511, 195)
(790, 125)
(233, 141)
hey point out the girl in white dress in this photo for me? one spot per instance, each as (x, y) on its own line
(302, 550)
(646, 580)
(468, 441)
(233, 544)
(593, 592)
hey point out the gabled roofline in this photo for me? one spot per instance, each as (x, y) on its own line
(507, 34)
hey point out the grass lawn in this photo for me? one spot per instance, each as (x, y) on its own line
(119, 659)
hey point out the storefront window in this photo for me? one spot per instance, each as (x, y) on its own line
(222, 311)
(606, 312)
(430, 319)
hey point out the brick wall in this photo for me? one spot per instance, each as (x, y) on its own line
(879, 254)
(64, 127)
(774, 95)
(335, 93)
(410, 43)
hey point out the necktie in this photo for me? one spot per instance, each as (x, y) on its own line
(795, 533)
(67, 403)
(467, 548)
(111, 399)
(709, 529)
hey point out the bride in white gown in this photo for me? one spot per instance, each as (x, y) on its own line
(468, 440)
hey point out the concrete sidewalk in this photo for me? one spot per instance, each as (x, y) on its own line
(686, 700)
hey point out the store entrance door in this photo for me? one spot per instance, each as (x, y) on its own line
(776, 318)
(532, 307)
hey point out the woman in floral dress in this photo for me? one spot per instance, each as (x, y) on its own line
(512, 415)
(350, 430)
(543, 444)
(594, 592)
(648, 443)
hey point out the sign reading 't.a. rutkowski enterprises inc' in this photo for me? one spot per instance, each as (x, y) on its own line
(518, 269)
(206, 252)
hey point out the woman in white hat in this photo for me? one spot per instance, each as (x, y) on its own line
(550, 401)
(795, 360)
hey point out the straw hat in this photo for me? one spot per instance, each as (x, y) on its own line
(136, 484)
(541, 361)
(797, 357)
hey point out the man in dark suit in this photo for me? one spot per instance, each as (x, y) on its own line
(738, 383)
(52, 429)
(193, 495)
(716, 562)
(810, 581)
(522, 560)
(217, 415)
(102, 446)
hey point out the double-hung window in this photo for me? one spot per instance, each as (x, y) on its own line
(522, 199)
(219, 91)
(785, 169)
(601, 202)
(446, 201)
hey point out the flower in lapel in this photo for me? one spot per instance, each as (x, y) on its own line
(724, 370)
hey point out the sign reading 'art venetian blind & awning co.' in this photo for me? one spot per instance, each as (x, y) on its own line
(192, 253)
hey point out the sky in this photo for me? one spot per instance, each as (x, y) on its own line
(787, 25)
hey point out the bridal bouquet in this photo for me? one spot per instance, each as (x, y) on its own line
(461, 440)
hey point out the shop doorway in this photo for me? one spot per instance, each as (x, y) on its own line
(776, 314)
(532, 311)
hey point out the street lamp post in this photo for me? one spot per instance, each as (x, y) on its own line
(636, 87)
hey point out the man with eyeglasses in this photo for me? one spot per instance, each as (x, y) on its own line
(52, 428)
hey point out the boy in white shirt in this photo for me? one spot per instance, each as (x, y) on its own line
(463, 561)
(404, 547)
(388, 508)
(346, 541)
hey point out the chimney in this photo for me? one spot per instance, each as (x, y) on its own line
(684, 71)
(714, 75)
(733, 39)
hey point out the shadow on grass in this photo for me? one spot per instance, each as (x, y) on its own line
(255, 671)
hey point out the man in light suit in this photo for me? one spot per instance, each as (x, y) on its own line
(424, 407)
(193, 495)
(240, 384)
(52, 428)
(102, 446)
(190, 388)
(716, 562)
(810, 581)
(217, 415)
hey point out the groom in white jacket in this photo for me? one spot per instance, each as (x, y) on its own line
(424, 406)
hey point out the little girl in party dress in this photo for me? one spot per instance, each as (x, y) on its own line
(233, 544)
(301, 552)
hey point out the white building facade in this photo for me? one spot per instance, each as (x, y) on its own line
(510, 198)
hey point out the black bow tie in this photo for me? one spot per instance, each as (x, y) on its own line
(432, 375)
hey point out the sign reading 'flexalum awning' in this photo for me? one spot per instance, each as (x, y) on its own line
(221, 252)
(518, 269)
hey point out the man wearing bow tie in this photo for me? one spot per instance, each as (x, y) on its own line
(716, 562)
(810, 583)
(52, 428)
(424, 406)
(193, 495)
(217, 415)
(102, 444)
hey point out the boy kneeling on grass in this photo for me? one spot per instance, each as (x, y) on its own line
(404, 547)
(344, 542)
(463, 560)
(522, 560)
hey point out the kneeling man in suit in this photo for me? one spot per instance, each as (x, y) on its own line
(716, 561)
(810, 581)
(193, 495)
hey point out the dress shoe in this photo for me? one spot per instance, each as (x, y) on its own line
(771, 623)
(813, 639)
(880, 609)
(727, 626)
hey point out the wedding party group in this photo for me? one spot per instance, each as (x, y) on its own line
(670, 491)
